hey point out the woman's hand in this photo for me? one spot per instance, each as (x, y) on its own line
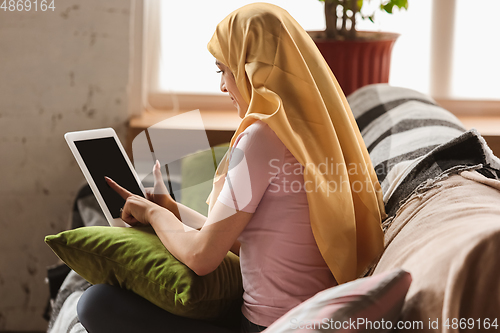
(159, 193)
(137, 210)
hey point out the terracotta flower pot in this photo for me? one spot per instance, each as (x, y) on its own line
(357, 63)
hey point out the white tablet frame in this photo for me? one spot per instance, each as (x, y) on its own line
(71, 137)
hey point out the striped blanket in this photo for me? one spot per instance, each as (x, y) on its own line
(411, 140)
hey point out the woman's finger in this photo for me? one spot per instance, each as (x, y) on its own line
(129, 218)
(131, 221)
(117, 188)
(127, 215)
(159, 185)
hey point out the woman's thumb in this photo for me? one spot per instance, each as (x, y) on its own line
(159, 185)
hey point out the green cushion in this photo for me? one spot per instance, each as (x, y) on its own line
(135, 259)
(197, 177)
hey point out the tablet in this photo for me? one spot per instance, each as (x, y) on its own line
(99, 153)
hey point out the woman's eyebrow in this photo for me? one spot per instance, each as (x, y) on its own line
(217, 63)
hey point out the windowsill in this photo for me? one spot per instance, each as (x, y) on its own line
(220, 125)
(471, 108)
(212, 120)
(486, 125)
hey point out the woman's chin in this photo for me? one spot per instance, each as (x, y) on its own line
(241, 114)
(242, 111)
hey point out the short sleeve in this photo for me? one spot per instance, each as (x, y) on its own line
(255, 160)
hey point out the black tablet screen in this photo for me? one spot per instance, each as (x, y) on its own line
(103, 158)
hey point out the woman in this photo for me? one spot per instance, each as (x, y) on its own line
(301, 205)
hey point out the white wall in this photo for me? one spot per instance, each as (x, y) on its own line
(59, 71)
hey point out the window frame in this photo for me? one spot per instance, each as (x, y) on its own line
(144, 95)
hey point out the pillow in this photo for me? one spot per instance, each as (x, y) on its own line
(135, 259)
(197, 177)
(399, 126)
(411, 139)
(368, 304)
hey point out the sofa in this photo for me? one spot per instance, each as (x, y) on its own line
(441, 189)
(442, 194)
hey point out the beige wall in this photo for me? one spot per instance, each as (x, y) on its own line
(59, 71)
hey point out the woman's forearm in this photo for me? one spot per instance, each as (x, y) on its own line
(186, 215)
(190, 217)
(201, 250)
(180, 239)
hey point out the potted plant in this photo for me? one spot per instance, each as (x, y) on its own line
(357, 58)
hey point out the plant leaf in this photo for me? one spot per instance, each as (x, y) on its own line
(401, 3)
(387, 7)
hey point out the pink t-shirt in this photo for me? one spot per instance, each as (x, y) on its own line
(280, 261)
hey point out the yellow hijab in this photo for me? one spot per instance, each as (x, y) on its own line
(289, 86)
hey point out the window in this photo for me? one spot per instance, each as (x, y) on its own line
(187, 27)
(421, 55)
(476, 55)
(180, 64)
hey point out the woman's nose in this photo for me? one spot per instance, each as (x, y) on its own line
(223, 85)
